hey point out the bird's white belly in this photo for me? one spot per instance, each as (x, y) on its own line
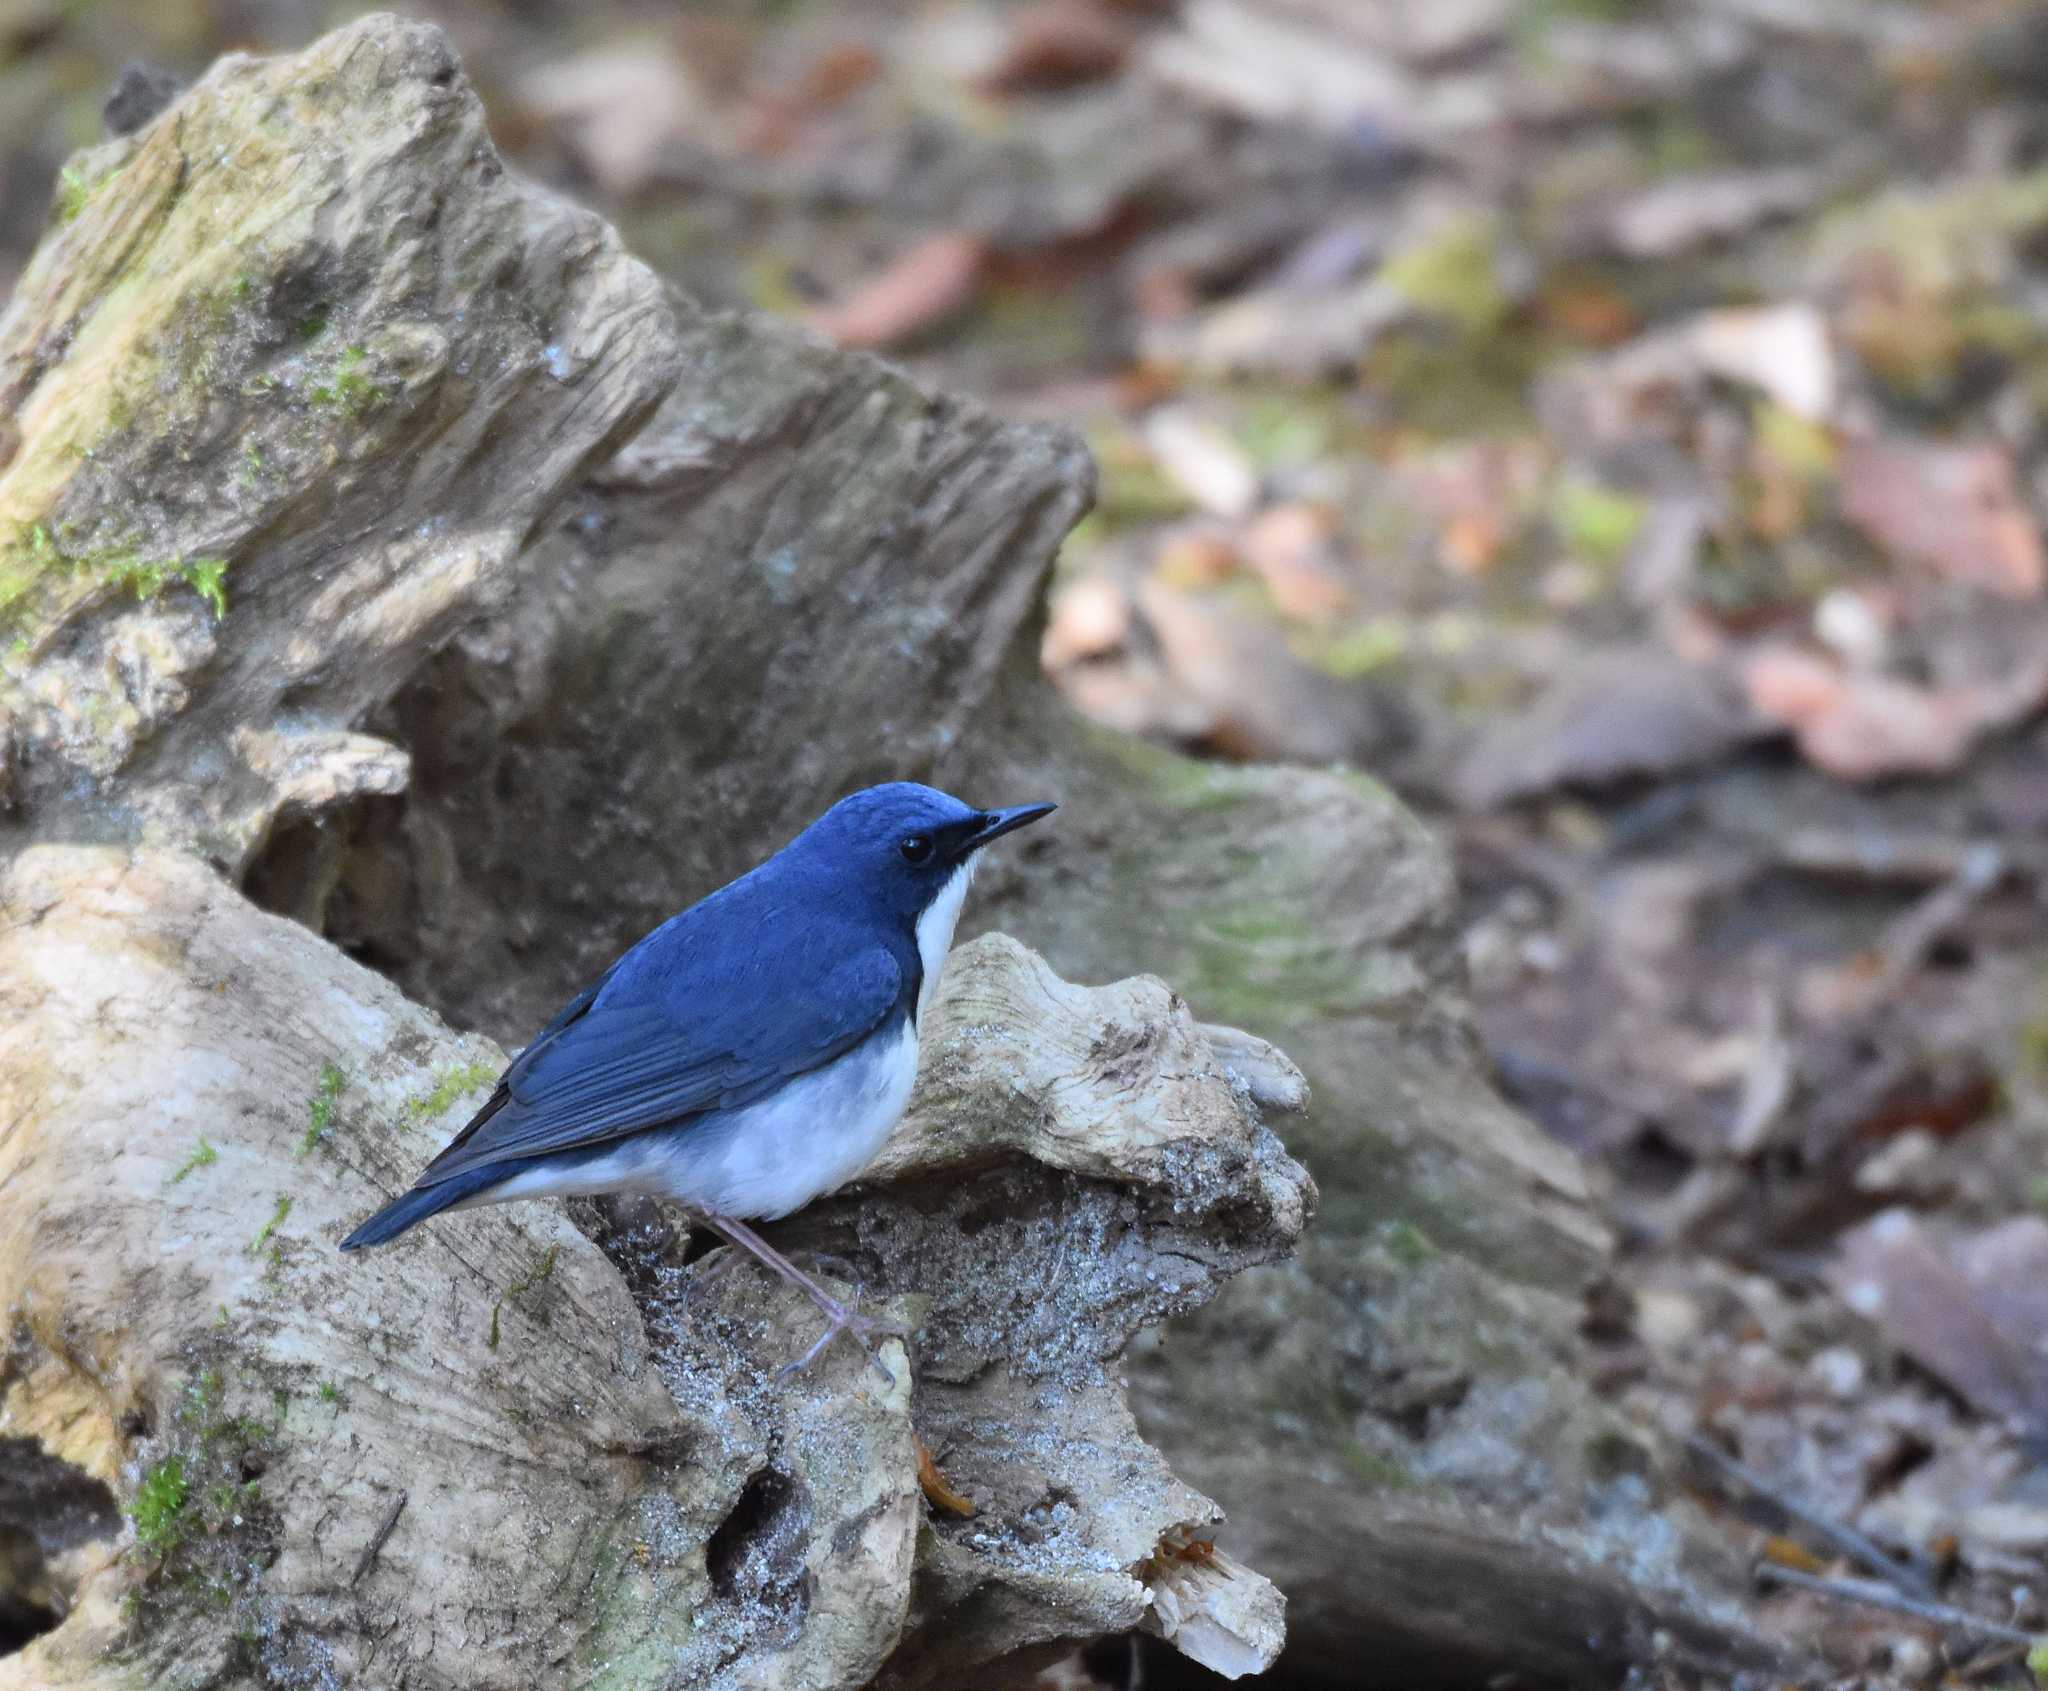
(809, 1138)
(764, 1160)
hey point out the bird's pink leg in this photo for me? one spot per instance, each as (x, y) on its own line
(839, 1317)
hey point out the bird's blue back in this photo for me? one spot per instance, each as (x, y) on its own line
(773, 975)
(759, 939)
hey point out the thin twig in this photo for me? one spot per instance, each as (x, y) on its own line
(1884, 1597)
(1906, 940)
(1905, 1576)
(1995, 1660)
(1766, 1081)
(376, 1544)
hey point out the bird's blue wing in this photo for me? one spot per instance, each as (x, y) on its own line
(602, 1069)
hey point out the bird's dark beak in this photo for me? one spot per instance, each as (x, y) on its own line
(1001, 822)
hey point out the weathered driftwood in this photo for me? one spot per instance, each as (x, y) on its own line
(289, 395)
(804, 573)
(475, 1459)
(305, 349)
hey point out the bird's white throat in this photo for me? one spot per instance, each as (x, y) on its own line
(935, 932)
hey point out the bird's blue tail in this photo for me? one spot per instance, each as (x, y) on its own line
(422, 1201)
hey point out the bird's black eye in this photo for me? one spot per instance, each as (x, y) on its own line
(916, 848)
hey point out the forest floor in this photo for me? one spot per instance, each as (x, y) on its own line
(1623, 428)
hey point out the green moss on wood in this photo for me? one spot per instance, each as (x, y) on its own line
(1131, 489)
(1360, 649)
(203, 1156)
(205, 576)
(1406, 1243)
(77, 186)
(1939, 239)
(1374, 1469)
(320, 1106)
(541, 1272)
(263, 1233)
(203, 1532)
(347, 389)
(451, 1084)
(159, 1507)
(2033, 1037)
(1596, 523)
(39, 554)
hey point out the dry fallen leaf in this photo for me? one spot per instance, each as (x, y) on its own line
(1589, 310)
(1861, 726)
(1616, 714)
(1165, 293)
(1790, 1553)
(1689, 212)
(1202, 461)
(836, 73)
(1976, 1316)
(773, 120)
(617, 109)
(1291, 548)
(1196, 555)
(1781, 349)
(1133, 693)
(1471, 542)
(1954, 509)
(1059, 44)
(933, 1483)
(1858, 726)
(1480, 493)
(1263, 701)
(1089, 619)
(935, 279)
(1259, 63)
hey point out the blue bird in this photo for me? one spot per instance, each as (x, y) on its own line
(748, 1055)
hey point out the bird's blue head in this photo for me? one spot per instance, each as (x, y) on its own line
(905, 845)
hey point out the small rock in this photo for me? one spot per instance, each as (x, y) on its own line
(1850, 624)
(140, 92)
(1839, 1372)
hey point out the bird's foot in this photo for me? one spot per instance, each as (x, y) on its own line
(714, 1267)
(847, 1319)
(839, 1317)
